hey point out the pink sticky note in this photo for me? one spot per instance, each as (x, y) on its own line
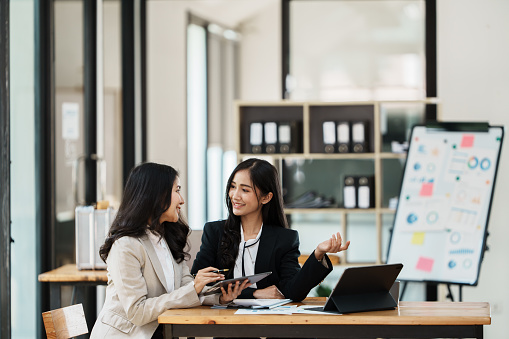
(426, 189)
(467, 141)
(425, 264)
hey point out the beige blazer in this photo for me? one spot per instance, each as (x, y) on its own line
(137, 293)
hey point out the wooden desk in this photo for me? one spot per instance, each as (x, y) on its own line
(410, 320)
(70, 275)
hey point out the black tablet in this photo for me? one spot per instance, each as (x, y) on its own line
(363, 288)
(253, 279)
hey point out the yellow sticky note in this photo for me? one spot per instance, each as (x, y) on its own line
(418, 238)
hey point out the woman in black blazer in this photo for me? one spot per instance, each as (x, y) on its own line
(255, 238)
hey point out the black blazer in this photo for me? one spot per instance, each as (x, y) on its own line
(278, 252)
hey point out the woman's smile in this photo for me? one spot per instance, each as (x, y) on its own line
(237, 205)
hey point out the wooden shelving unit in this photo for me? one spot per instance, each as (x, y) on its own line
(309, 117)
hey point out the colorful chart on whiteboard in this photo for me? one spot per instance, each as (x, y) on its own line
(440, 226)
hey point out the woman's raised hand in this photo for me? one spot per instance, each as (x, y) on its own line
(332, 245)
(205, 276)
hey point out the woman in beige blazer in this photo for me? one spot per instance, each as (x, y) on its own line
(145, 256)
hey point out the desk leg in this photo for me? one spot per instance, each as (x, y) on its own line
(54, 296)
(479, 332)
(88, 297)
(168, 332)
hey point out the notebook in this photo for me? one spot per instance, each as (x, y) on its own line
(363, 288)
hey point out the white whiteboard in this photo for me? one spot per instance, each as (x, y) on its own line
(440, 225)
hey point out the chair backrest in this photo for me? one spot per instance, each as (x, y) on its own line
(65, 322)
(334, 259)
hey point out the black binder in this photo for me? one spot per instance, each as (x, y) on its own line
(256, 137)
(364, 288)
(343, 136)
(288, 137)
(350, 192)
(359, 136)
(270, 136)
(329, 136)
(365, 191)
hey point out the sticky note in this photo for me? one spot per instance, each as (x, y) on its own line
(426, 189)
(425, 264)
(467, 141)
(418, 238)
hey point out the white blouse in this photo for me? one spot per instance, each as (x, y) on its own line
(247, 251)
(165, 257)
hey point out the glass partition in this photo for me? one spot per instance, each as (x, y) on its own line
(314, 228)
(69, 66)
(361, 231)
(23, 206)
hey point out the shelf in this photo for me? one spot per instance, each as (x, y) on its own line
(387, 155)
(361, 156)
(316, 156)
(329, 210)
(387, 210)
(383, 121)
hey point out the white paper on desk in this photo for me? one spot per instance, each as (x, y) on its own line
(261, 311)
(285, 307)
(304, 310)
(261, 303)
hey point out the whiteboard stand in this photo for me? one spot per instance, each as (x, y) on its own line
(440, 225)
(450, 296)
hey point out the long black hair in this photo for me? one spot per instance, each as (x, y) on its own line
(147, 195)
(265, 179)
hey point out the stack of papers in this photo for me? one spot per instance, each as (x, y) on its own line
(255, 303)
(288, 310)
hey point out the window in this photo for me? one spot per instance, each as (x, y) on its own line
(357, 50)
(211, 90)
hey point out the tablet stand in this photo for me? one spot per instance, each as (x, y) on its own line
(371, 301)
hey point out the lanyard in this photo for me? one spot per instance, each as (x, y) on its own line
(243, 252)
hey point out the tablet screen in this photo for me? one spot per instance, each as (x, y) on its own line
(253, 279)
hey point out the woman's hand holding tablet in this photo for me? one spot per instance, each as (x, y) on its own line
(252, 279)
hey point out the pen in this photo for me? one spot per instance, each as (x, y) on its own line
(215, 271)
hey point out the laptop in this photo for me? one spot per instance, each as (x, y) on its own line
(363, 288)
